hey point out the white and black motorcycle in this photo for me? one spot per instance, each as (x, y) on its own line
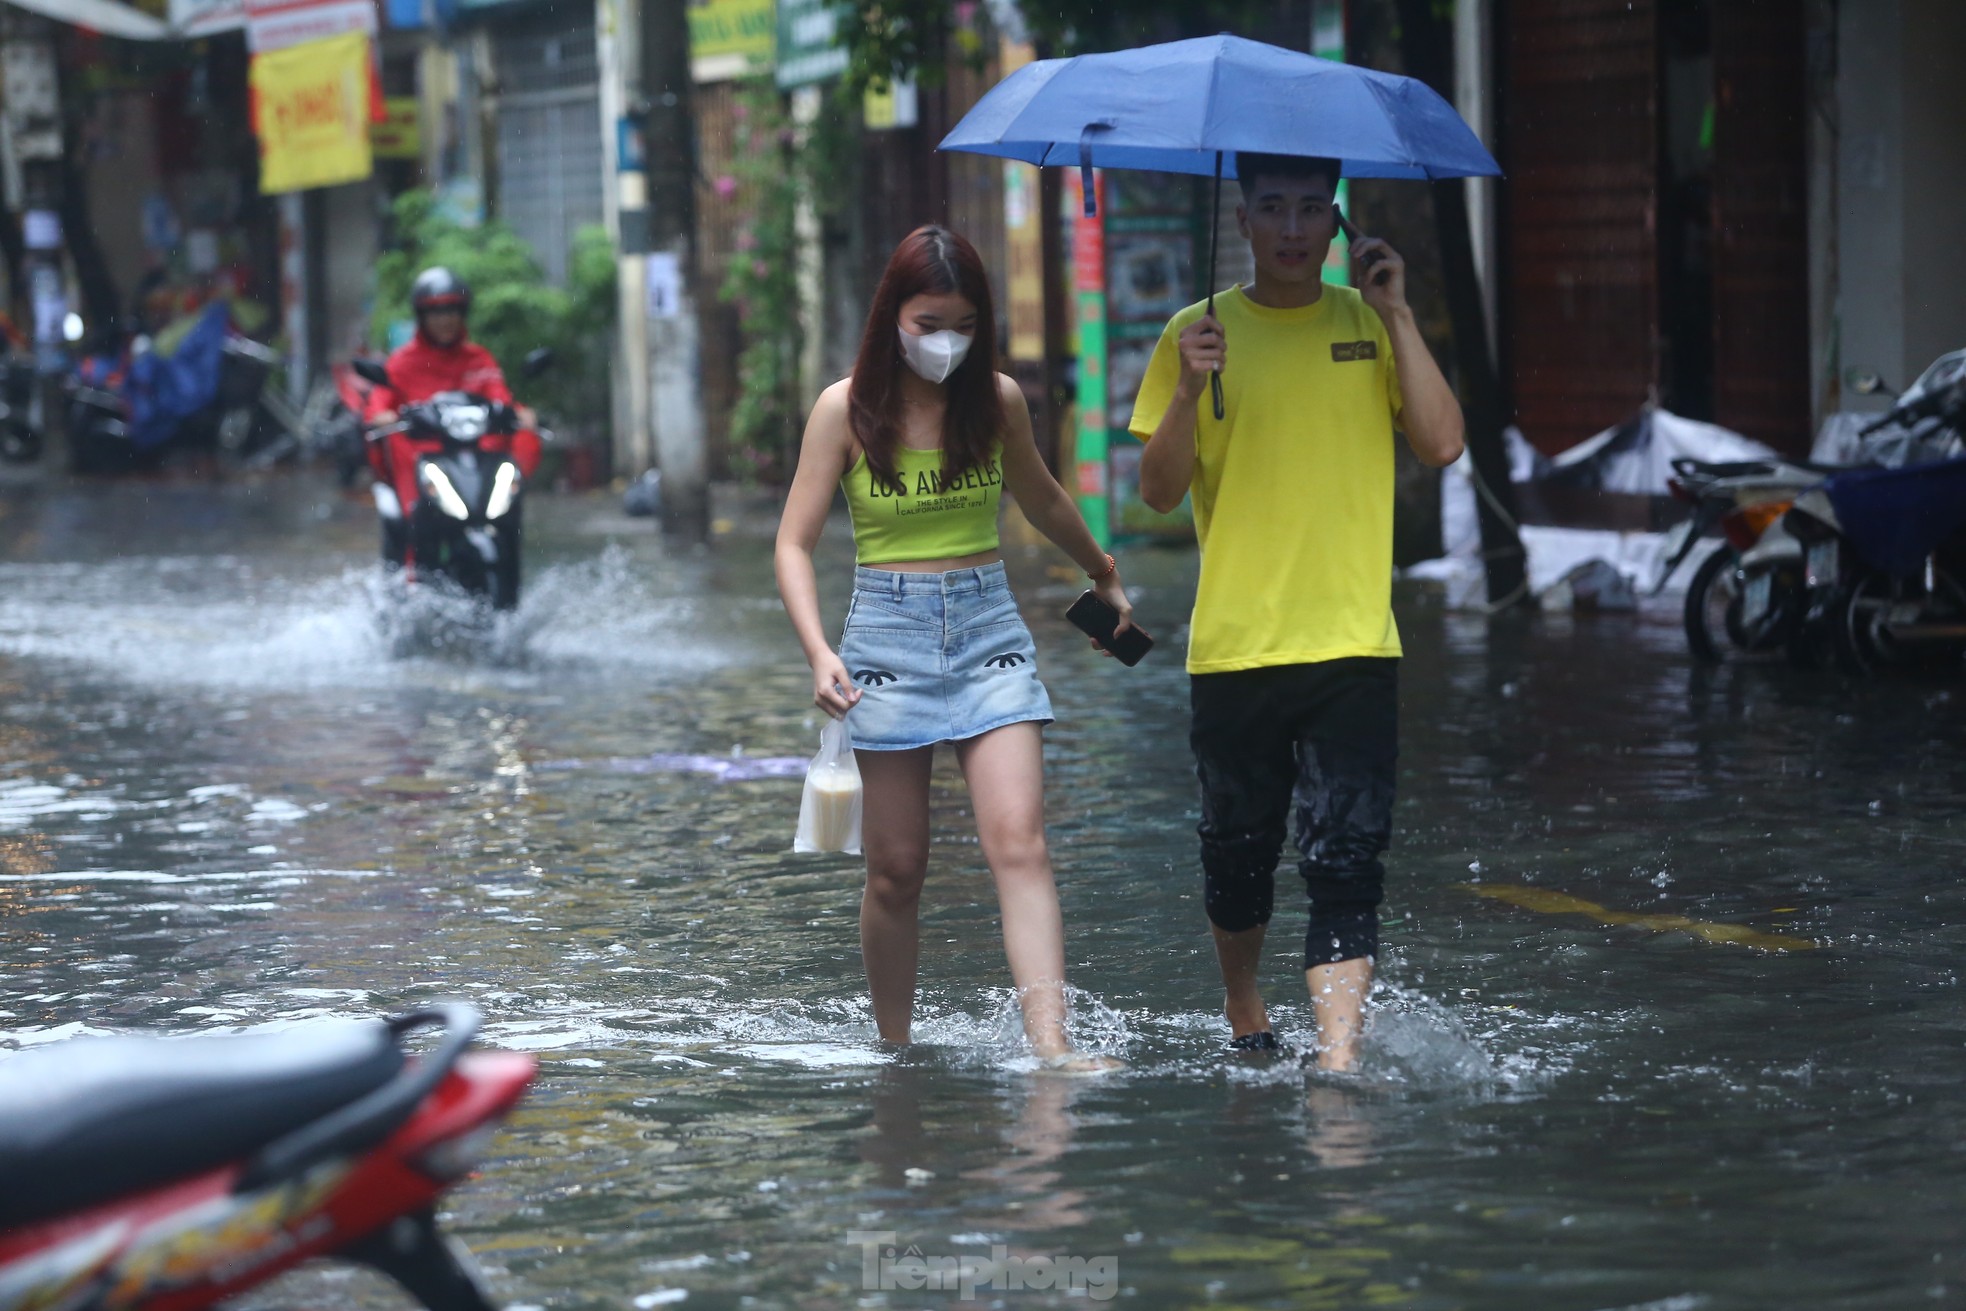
(466, 525)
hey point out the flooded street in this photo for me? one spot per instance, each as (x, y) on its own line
(1669, 1016)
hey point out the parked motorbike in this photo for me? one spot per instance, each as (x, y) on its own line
(168, 1175)
(20, 409)
(1885, 548)
(466, 525)
(1747, 598)
(332, 421)
(129, 407)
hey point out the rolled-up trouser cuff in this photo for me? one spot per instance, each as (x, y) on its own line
(1344, 911)
(1339, 932)
(1239, 879)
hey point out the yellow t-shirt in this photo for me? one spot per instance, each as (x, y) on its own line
(1293, 489)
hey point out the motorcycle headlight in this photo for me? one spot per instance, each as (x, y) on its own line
(467, 423)
(505, 486)
(439, 489)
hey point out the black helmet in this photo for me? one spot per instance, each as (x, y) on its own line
(437, 288)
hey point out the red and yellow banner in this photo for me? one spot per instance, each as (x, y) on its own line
(311, 109)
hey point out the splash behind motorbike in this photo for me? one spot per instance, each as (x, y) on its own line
(466, 525)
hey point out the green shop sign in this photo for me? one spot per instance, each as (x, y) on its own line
(809, 47)
(730, 38)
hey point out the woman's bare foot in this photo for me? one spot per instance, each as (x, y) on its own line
(1071, 1062)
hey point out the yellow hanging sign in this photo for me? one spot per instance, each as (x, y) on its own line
(397, 135)
(311, 110)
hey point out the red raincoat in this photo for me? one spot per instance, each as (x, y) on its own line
(419, 371)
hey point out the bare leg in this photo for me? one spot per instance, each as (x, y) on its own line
(1338, 993)
(1241, 957)
(894, 836)
(1005, 769)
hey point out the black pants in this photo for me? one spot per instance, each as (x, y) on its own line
(1314, 744)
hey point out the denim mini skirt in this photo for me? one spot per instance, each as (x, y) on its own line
(938, 658)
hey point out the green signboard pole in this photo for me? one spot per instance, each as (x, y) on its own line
(1094, 441)
(1328, 42)
(1089, 278)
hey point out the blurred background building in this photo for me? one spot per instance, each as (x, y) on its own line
(1715, 206)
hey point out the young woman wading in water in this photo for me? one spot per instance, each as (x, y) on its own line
(926, 435)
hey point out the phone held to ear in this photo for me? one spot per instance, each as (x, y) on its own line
(1097, 620)
(1352, 234)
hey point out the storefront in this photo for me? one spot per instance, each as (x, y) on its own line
(146, 171)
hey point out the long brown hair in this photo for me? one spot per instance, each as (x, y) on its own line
(935, 260)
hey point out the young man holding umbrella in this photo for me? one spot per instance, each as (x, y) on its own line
(1293, 651)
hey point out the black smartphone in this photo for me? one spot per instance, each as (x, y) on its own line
(1352, 233)
(1097, 620)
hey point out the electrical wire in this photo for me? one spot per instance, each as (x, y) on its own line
(1521, 590)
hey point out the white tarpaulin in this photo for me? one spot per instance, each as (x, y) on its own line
(108, 17)
(1634, 458)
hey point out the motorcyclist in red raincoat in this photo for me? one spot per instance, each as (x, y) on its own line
(441, 357)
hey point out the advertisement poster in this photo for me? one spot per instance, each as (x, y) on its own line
(731, 38)
(399, 134)
(311, 105)
(1150, 243)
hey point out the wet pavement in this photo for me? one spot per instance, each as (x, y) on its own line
(1670, 1014)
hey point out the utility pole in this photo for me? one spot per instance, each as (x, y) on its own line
(1426, 46)
(618, 29)
(674, 332)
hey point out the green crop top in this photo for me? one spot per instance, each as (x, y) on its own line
(917, 517)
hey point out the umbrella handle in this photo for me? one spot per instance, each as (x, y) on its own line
(1214, 224)
(1085, 163)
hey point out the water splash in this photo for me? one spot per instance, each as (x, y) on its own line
(1415, 1042)
(222, 623)
(996, 1037)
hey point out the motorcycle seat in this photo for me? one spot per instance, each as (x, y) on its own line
(86, 1121)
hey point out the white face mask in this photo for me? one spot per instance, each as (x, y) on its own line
(934, 355)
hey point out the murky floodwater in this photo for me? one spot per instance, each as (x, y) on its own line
(1670, 1015)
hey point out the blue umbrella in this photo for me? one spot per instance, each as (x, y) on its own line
(1179, 107)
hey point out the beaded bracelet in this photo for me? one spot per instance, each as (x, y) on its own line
(1107, 572)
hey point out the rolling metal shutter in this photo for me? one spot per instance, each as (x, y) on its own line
(1580, 147)
(551, 159)
(1761, 237)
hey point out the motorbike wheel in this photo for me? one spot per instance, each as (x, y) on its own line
(1713, 594)
(1811, 647)
(19, 443)
(1716, 628)
(92, 451)
(505, 573)
(1864, 645)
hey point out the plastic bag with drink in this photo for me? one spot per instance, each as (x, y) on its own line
(829, 814)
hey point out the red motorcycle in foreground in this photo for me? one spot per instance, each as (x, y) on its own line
(170, 1174)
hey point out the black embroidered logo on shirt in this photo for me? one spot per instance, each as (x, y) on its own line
(874, 677)
(1342, 351)
(1008, 660)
